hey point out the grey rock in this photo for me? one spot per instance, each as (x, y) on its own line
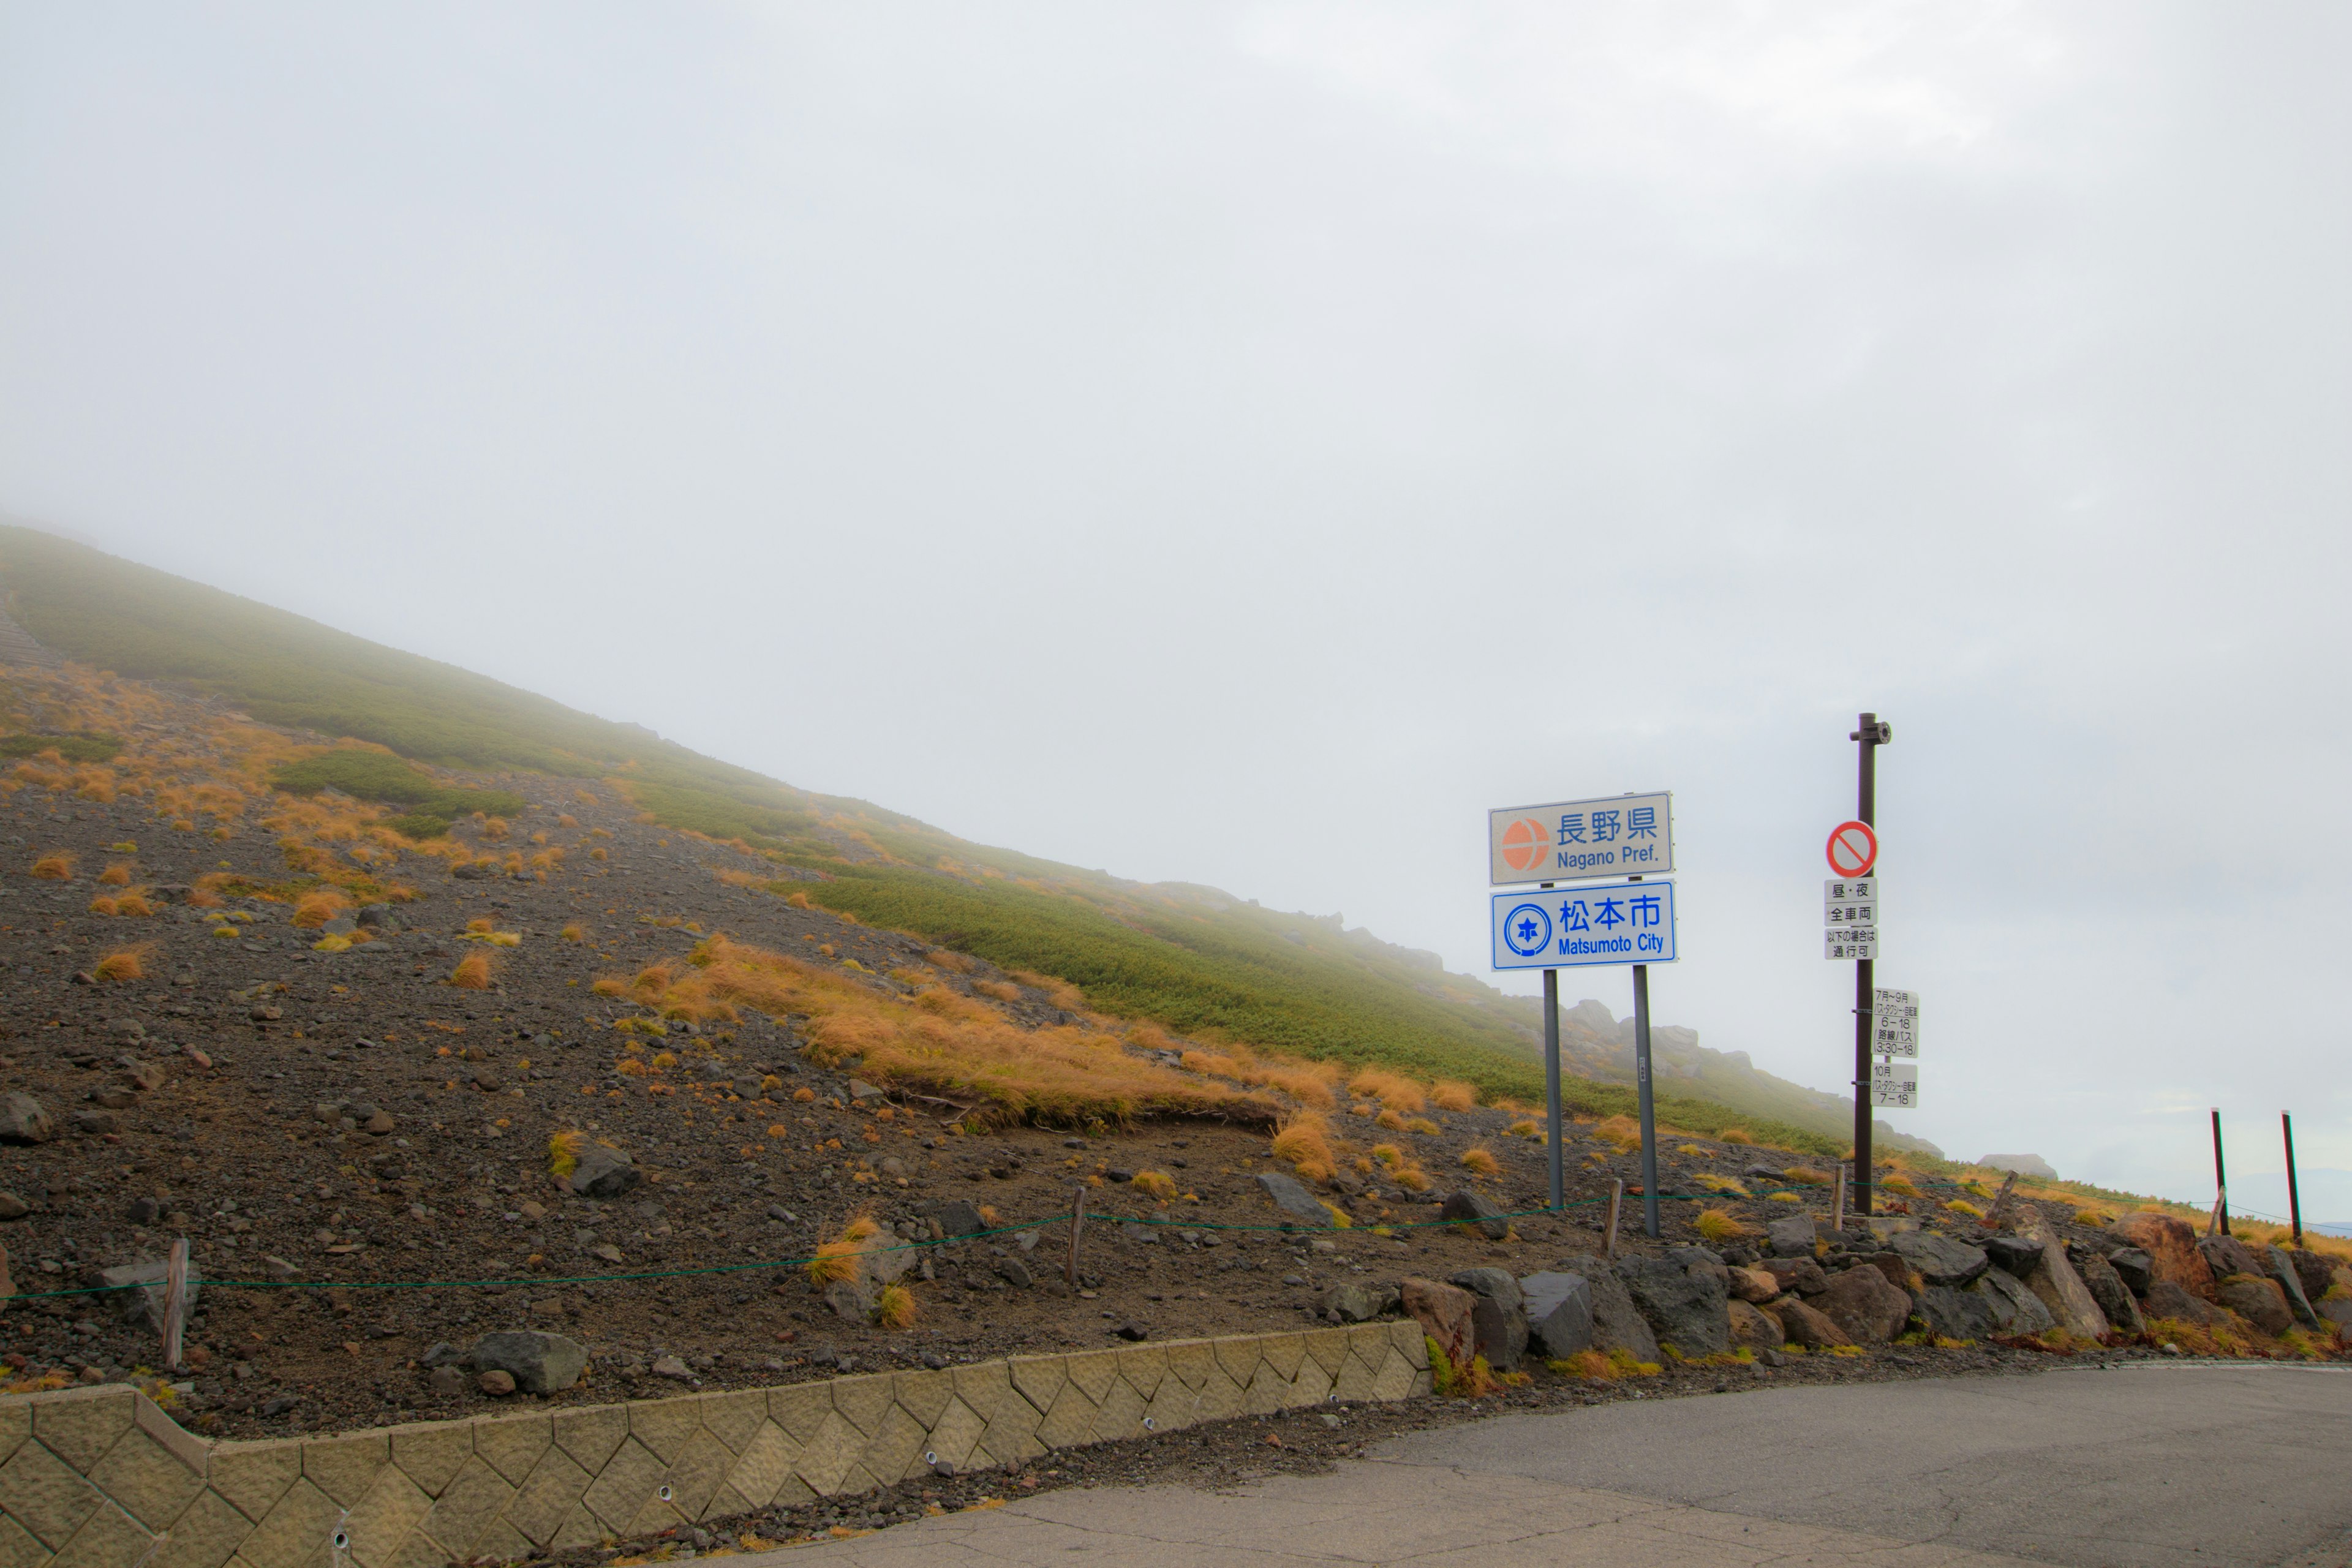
(24, 1119)
(1349, 1304)
(1467, 1207)
(849, 1299)
(538, 1363)
(1941, 1259)
(2167, 1299)
(2015, 1309)
(142, 1211)
(2317, 1274)
(955, 1217)
(1558, 1307)
(1793, 1236)
(2015, 1254)
(2260, 1301)
(859, 1090)
(1684, 1306)
(1501, 1332)
(780, 1213)
(672, 1368)
(93, 1123)
(445, 1381)
(2226, 1255)
(12, 1207)
(1861, 1301)
(2135, 1268)
(1495, 1284)
(2283, 1270)
(1801, 1275)
(1617, 1324)
(1956, 1314)
(1013, 1272)
(603, 1174)
(2107, 1289)
(1293, 1199)
(145, 1304)
(443, 1353)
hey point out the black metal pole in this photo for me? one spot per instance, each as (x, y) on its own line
(1648, 1103)
(1866, 735)
(1551, 1088)
(2221, 1177)
(2293, 1199)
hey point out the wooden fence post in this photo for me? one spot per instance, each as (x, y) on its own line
(1077, 1221)
(1616, 1206)
(175, 1303)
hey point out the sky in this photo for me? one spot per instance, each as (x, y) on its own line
(1241, 444)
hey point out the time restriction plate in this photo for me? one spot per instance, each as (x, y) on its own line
(1895, 1085)
(1895, 1023)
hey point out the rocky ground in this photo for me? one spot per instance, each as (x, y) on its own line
(358, 1151)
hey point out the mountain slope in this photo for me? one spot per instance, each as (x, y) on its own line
(1188, 958)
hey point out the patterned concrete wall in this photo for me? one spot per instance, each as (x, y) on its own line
(100, 1477)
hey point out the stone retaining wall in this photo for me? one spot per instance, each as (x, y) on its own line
(100, 1478)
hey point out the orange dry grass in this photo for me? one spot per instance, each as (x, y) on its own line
(473, 973)
(1159, 1183)
(124, 963)
(1719, 1226)
(1482, 1160)
(1736, 1135)
(320, 907)
(116, 876)
(1305, 1140)
(1621, 1131)
(894, 1307)
(1393, 1090)
(1451, 1094)
(941, 1043)
(57, 867)
(837, 1259)
(999, 989)
(1061, 992)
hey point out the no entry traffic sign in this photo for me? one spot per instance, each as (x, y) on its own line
(1852, 849)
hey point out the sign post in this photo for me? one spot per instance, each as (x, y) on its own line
(1853, 854)
(1552, 928)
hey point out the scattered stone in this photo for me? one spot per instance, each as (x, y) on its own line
(1804, 1326)
(2227, 1255)
(2166, 1300)
(142, 1211)
(2014, 1253)
(1683, 1305)
(1559, 1312)
(2109, 1289)
(443, 1353)
(955, 1217)
(12, 1207)
(2015, 1310)
(1756, 1286)
(603, 1174)
(1498, 1318)
(96, 1124)
(538, 1362)
(1132, 1330)
(1956, 1314)
(1352, 1303)
(1752, 1326)
(671, 1367)
(1013, 1272)
(1801, 1275)
(144, 1076)
(1862, 1303)
(494, 1384)
(445, 1381)
(1468, 1207)
(2258, 1300)
(1941, 1259)
(849, 1299)
(1294, 1199)
(2133, 1266)
(860, 1090)
(1447, 1313)
(1794, 1236)
(2171, 1247)
(24, 1119)
(145, 1305)
(2315, 1271)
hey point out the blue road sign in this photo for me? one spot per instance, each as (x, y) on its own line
(1582, 928)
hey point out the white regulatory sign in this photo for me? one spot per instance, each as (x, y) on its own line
(1849, 901)
(1894, 1084)
(1582, 928)
(1575, 840)
(1895, 1023)
(1854, 941)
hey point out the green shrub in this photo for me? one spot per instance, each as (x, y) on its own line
(90, 748)
(388, 780)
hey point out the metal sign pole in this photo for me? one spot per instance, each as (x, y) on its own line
(2220, 1179)
(1869, 734)
(1551, 1089)
(2293, 1199)
(1648, 1102)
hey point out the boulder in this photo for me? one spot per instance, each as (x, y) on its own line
(2260, 1301)
(2167, 1299)
(603, 1174)
(2171, 1247)
(2290, 1283)
(1803, 1326)
(1499, 1318)
(1447, 1313)
(1467, 1207)
(1753, 1327)
(1865, 1305)
(1617, 1324)
(957, 1217)
(1294, 1201)
(1941, 1259)
(24, 1119)
(1683, 1305)
(1558, 1307)
(1955, 1314)
(2134, 1268)
(1793, 1236)
(2338, 1314)
(2016, 1254)
(1350, 1303)
(2314, 1271)
(2227, 1255)
(2015, 1309)
(2054, 1279)
(849, 1299)
(1801, 1275)
(538, 1363)
(2113, 1297)
(1891, 1264)
(145, 1304)
(1756, 1286)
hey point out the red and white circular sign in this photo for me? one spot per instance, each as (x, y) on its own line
(1854, 849)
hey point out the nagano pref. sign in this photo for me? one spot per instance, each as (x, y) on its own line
(1578, 841)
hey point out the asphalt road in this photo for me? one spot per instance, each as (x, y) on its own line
(2149, 1464)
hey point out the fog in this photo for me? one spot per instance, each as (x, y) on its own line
(1242, 444)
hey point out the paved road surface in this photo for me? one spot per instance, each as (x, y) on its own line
(2160, 1463)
